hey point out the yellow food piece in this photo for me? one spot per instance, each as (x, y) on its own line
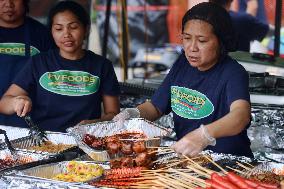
(80, 172)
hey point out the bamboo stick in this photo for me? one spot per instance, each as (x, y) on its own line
(199, 166)
(137, 139)
(214, 163)
(236, 170)
(243, 166)
(199, 172)
(187, 184)
(199, 181)
(169, 182)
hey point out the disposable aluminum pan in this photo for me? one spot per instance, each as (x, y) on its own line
(48, 172)
(56, 138)
(152, 130)
(267, 167)
(23, 160)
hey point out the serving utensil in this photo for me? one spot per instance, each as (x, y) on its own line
(37, 134)
(9, 145)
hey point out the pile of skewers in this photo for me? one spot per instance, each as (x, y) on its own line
(184, 173)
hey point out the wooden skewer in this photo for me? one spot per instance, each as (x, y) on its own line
(236, 170)
(137, 139)
(199, 166)
(243, 166)
(160, 147)
(252, 166)
(163, 150)
(173, 164)
(199, 181)
(214, 163)
(174, 182)
(184, 182)
(199, 172)
(171, 183)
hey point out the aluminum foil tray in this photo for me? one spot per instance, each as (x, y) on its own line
(24, 160)
(150, 129)
(16, 182)
(14, 132)
(56, 138)
(47, 172)
(277, 168)
(221, 159)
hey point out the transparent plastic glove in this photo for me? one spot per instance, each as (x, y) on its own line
(126, 114)
(194, 142)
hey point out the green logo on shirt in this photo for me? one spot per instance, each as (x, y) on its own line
(70, 83)
(16, 49)
(189, 103)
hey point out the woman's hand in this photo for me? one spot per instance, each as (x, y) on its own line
(22, 105)
(194, 142)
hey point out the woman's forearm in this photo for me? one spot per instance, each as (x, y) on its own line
(233, 123)
(6, 104)
(149, 111)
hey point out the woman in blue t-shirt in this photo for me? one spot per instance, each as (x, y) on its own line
(62, 87)
(206, 90)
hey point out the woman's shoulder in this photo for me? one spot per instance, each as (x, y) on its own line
(96, 57)
(45, 56)
(232, 67)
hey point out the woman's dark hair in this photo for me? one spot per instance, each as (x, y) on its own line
(220, 20)
(73, 7)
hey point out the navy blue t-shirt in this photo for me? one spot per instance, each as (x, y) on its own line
(40, 38)
(201, 97)
(65, 92)
(247, 28)
(16, 47)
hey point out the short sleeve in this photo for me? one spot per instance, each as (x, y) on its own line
(109, 81)
(162, 97)
(237, 87)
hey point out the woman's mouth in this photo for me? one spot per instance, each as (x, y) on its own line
(192, 59)
(68, 43)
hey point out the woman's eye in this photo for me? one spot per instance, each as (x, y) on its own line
(74, 26)
(202, 41)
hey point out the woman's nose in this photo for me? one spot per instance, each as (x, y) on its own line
(67, 32)
(193, 46)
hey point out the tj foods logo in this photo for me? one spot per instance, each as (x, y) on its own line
(70, 83)
(16, 49)
(189, 103)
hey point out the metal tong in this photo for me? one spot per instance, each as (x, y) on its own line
(37, 135)
(9, 145)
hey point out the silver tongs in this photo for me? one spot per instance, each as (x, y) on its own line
(9, 145)
(37, 135)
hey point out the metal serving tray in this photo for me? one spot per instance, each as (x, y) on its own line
(150, 129)
(47, 172)
(56, 138)
(24, 160)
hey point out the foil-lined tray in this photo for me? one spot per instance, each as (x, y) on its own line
(14, 132)
(267, 167)
(25, 143)
(221, 159)
(152, 130)
(48, 172)
(15, 182)
(22, 160)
